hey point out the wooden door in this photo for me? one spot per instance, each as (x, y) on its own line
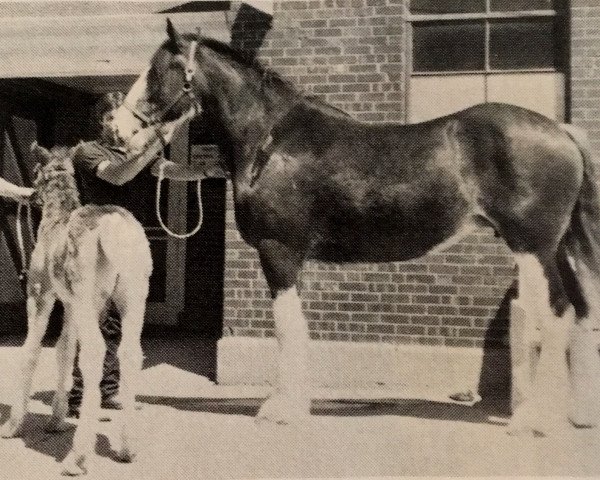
(18, 129)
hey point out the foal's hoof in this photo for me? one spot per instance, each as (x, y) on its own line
(283, 410)
(73, 465)
(525, 423)
(11, 429)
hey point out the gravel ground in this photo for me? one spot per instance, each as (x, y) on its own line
(190, 428)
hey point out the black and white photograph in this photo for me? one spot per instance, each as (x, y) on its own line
(299, 239)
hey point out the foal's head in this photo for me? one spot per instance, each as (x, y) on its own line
(54, 176)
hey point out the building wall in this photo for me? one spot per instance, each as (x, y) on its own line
(352, 53)
(585, 67)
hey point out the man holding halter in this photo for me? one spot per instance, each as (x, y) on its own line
(106, 174)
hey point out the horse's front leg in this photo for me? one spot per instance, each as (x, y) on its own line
(65, 356)
(290, 402)
(39, 306)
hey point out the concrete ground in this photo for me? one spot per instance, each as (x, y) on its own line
(191, 428)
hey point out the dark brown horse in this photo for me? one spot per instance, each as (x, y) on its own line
(312, 183)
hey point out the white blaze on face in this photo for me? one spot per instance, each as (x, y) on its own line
(124, 122)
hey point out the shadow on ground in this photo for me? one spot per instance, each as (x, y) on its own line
(55, 445)
(479, 413)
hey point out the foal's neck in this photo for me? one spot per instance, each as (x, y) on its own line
(60, 203)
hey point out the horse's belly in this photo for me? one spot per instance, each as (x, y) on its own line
(386, 242)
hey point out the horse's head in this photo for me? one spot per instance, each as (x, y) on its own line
(164, 96)
(53, 171)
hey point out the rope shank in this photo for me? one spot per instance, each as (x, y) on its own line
(161, 177)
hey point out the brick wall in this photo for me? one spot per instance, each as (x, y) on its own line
(585, 67)
(352, 54)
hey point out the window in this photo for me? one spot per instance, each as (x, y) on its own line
(487, 50)
(486, 35)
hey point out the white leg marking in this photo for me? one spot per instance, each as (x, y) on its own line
(541, 401)
(585, 375)
(585, 361)
(290, 402)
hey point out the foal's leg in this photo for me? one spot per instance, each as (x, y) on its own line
(92, 350)
(130, 298)
(544, 398)
(65, 356)
(39, 306)
(291, 401)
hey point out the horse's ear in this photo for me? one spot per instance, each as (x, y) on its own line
(175, 40)
(40, 153)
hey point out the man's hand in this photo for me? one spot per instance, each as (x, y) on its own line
(23, 194)
(182, 172)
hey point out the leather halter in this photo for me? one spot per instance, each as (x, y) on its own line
(156, 120)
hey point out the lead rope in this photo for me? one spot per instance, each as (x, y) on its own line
(161, 177)
(24, 263)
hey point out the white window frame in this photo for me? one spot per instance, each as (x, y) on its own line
(486, 17)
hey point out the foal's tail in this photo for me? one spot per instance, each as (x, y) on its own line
(583, 238)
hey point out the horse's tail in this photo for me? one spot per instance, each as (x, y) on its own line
(583, 237)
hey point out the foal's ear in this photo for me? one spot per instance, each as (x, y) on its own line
(41, 154)
(175, 40)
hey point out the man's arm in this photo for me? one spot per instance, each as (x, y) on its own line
(121, 173)
(21, 194)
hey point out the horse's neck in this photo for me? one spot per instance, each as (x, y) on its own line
(248, 110)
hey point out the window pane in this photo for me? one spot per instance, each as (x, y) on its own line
(446, 6)
(519, 5)
(432, 96)
(523, 44)
(448, 46)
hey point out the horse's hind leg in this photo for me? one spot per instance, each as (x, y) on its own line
(65, 357)
(130, 299)
(92, 351)
(544, 398)
(584, 360)
(291, 401)
(39, 306)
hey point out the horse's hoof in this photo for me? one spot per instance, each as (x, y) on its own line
(583, 419)
(11, 429)
(73, 465)
(57, 426)
(584, 411)
(282, 410)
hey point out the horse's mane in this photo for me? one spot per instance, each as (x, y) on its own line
(267, 75)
